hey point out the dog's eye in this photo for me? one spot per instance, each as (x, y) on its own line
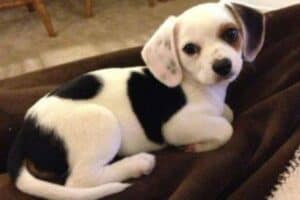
(191, 49)
(230, 35)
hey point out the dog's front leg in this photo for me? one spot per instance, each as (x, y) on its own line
(198, 132)
(228, 113)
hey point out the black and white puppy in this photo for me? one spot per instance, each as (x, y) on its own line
(177, 99)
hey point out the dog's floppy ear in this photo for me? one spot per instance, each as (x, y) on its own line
(253, 25)
(160, 54)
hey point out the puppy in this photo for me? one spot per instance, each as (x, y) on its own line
(177, 99)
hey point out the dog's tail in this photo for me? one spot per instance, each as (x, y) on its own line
(29, 184)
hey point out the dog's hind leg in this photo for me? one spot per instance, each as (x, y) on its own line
(94, 143)
(129, 167)
(92, 136)
(91, 174)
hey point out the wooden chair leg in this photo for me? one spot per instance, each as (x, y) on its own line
(88, 8)
(41, 9)
(30, 7)
(151, 3)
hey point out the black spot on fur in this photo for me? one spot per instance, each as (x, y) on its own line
(172, 67)
(83, 87)
(168, 44)
(153, 103)
(40, 146)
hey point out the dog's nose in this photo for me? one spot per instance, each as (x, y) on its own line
(222, 67)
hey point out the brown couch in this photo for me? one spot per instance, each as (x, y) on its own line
(266, 101)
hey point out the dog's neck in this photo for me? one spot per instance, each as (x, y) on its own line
(194, 89)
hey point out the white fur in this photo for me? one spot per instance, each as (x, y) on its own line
(97, 129)
(42, 189)
(160, 52)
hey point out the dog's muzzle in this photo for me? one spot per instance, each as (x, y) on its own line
(222, 67)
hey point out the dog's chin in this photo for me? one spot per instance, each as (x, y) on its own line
(206, 79)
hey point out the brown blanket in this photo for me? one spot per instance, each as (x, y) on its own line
(266, 101)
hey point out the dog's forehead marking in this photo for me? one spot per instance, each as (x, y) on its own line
(204, 20)
(237, 43)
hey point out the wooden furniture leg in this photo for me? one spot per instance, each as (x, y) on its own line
(151, 3)
(30, 7)
(88, 8)
(41, 9)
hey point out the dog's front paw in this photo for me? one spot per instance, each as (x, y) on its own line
(143, 163)
(228, 114)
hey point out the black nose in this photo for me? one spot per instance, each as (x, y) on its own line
(222, 67)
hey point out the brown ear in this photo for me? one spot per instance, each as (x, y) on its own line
(253, 25)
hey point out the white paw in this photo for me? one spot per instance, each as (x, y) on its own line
(228, 114)
(143, 163)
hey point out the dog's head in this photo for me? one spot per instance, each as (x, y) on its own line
(207, 42)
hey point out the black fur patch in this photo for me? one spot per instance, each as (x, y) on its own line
(83, 87)
(153, 103)
(39, 145)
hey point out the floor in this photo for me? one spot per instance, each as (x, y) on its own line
(117, 24)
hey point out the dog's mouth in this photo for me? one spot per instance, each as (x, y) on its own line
(215, 78)
(228, 77)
